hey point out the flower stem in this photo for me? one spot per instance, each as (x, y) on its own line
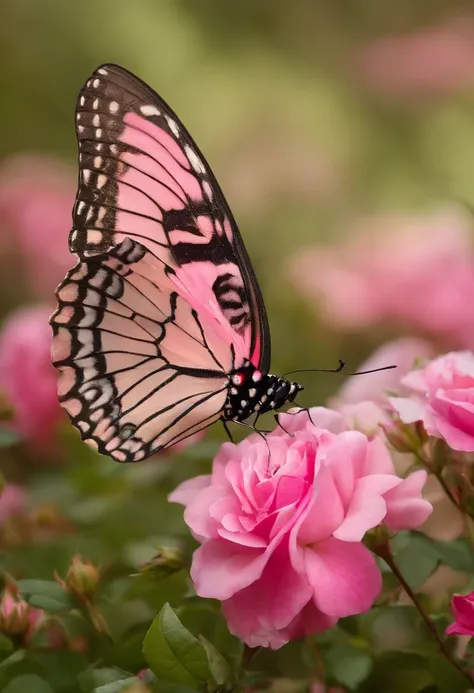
(384, 552)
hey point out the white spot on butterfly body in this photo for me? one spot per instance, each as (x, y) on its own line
(82, 100)
(113, 149)
(89, 83)
(90, 213)
(98, 133)
(256, 376)
(95, 104)
(80, 207)
(97, 162)
(252, 392)
(78, 116)
(98, 147)
(74, 236)
(101, 71)
(113, 107)
(234, 391)
(96, 83)
(172, 126)
(96, 120)
(150, 110)
(101, 180)
(86, 174)
(243, 403)
(80, 128)
(194, 160)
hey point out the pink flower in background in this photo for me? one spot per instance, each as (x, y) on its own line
(281, 533)
(27, 375)
(363, 400)
(463, 607)
(434, 61)
(13, 500)
(442, 397)
(36, 199)
(415, 272)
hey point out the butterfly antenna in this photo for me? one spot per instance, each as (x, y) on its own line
(338, 370)
(341, 366)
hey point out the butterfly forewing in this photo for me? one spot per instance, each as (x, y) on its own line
(141, 176)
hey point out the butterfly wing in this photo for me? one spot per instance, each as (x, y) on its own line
(141, 176)
(139, 368)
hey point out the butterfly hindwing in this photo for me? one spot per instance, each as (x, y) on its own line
(139, 368)
(141, 176)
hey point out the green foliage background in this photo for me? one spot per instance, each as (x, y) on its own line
(301, 148)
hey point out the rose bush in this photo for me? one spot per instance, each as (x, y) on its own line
(442, 398)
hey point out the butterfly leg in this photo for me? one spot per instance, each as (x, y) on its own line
(276, 417)
(227, 430)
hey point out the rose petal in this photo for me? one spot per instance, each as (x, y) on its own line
(344, 576)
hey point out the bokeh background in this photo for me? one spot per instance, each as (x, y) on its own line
(342, 134)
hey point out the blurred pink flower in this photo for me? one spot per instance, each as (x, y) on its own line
(375, 387)
(442, 397)
(36, 199)
(27, 375)
(363, 400)
(281, 523)
(463, 607)
(12, 501)
(413, 271)
(434, 61)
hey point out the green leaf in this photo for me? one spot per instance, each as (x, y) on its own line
(397, 672)
(5, 643)
(8, 437)
(218, 665)
(416, 561)
(47, 595)
(448, 679)
(457, 554)
(348, 664)
(203, 618)
(14, 658)
(117, 686)
(173, 653)
(28, 682)
(93, 679)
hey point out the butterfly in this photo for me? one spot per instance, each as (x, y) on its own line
(160, 328)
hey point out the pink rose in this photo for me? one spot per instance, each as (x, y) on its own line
(36, 200)
(442, 397)
(434, 61)
(13, 499)
(281, 522)
(363, 400)
(389, 271)
(27, 375)
(463, 607)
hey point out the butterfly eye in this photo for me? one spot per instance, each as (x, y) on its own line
(127, 431)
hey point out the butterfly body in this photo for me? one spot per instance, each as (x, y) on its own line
(160, 328)
(251, 391)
